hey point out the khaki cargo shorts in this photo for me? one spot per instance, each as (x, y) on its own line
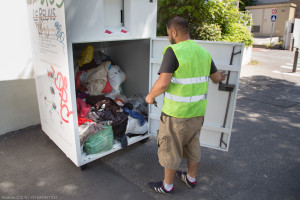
(178, 138)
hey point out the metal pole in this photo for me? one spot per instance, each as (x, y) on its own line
(271, 33)
(296, 60)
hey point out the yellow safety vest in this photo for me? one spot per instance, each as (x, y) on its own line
(185, 97)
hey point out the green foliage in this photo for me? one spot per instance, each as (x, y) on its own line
(201, 14)
(238, 33)
(210, 32)
(244, 3)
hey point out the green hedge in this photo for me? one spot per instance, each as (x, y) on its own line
(207, 18)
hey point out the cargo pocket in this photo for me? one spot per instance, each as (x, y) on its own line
(163, 144)
(181, 124)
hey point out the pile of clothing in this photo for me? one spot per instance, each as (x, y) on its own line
(100, 100)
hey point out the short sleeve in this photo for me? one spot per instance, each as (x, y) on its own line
(213, 68)
(170, 62)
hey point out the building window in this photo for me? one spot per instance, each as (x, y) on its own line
(255, 29)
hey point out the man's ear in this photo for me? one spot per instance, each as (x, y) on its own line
(174, 32)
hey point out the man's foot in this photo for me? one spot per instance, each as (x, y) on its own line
(183, 177)
(159, 188)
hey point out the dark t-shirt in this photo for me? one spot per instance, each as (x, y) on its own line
(170, 63)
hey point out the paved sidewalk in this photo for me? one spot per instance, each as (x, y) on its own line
(263, 161)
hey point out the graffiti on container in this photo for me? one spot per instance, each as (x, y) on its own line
(43, 14)
(59, 5)
(43, 32)
(61, 84)
(51, 101)
(60, 35)
(30, 2)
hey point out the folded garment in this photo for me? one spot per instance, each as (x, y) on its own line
(92, 100)
(110, 105)
(107, 88)
(82, 120)
(107, 115)
(97, 78)
(86, 130)
(81, 95)
(136, 115)
(92, 115)
(120, 130)
(82, 107)
(123, 140)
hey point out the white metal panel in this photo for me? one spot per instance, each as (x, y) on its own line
(87, 20)
(15, 38)
(296, 33)
(49, 43)
(99, 20)
(214, 128)
(112, 13)
(140, 17)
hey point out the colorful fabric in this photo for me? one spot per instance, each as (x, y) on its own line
(82, 107)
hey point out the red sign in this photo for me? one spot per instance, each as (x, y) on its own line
(274, 11)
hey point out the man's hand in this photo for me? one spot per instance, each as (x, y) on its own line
(159, 87)
(223, 76)
(217, 77)
(149, 99)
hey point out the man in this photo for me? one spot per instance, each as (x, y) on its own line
(184, 74)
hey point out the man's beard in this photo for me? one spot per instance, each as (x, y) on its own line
(172, 40)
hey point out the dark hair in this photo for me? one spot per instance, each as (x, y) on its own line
(179, 24)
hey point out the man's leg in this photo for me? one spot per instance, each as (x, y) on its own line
(169, 176)
(189, 178)
(192, 169)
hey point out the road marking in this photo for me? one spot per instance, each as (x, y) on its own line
(290, 74)
(288, 67)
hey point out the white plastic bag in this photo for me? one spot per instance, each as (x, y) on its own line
(134, 127)
(116, 77)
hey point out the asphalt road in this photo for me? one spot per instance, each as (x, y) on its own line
(263, 161)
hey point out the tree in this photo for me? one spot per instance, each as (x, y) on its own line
(207, 18)
(244, 3)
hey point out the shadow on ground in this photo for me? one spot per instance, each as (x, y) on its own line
(263, 161)
(263, 158)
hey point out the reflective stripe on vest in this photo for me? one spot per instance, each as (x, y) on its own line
(185, 99)
(186, 81)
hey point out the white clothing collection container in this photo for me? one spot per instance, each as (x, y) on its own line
(126, 31)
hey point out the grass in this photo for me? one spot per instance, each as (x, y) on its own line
(253, 62)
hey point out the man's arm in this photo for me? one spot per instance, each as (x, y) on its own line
(217, 77)
(159, 87)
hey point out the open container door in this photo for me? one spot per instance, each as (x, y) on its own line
(53, 78)
(221, 98)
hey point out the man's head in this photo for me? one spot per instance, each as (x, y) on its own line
(178, 30)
